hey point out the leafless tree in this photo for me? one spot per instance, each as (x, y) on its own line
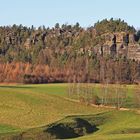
(137, 96)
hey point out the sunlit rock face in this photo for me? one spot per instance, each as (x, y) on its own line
(120, 44)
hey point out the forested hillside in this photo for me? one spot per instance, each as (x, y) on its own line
(67, 53)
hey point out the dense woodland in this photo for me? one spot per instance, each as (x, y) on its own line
(64, 54)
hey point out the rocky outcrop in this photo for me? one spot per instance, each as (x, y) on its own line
(120, 44)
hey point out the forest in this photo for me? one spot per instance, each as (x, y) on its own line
(66, 53)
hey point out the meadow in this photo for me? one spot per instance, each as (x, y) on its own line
(33, 108)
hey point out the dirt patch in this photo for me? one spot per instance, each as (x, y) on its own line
(128, 131)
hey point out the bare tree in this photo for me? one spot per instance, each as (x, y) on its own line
(137, 96)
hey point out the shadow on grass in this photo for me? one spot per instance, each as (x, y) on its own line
(70, 127)
(77, 128)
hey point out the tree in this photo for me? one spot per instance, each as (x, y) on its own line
(60, 47)
(57, 26)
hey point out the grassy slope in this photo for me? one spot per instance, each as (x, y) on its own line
(26, 106)
(119, 125)
(30, 106)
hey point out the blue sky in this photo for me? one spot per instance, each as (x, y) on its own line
(49, 12)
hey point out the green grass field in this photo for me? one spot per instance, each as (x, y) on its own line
(32, 106)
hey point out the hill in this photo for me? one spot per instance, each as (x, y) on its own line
(42, 111)
(30, 55)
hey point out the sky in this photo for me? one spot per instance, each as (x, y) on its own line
(50, 12)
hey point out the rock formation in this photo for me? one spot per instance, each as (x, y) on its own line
(120, 44)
